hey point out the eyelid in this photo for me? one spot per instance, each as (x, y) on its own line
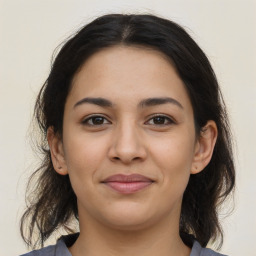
(170, 119)
(90, 117)
(87, 118)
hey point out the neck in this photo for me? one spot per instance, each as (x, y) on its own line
(97, 240)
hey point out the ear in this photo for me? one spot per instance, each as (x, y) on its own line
(57, 152)
(204, 147)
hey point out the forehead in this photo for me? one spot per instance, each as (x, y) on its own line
(131, 59)
(128, 72)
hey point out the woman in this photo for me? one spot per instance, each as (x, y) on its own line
(139, 144)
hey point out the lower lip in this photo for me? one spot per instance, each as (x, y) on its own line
(128, 187)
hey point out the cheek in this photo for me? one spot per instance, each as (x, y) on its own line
(83, 155)
(174, 157)
(83, 159)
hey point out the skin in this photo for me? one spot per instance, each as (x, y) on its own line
(128, 139)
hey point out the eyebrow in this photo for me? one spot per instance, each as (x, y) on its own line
(142, 104)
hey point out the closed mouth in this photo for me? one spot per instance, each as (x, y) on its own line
(127, 184)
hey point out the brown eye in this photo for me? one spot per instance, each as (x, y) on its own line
(161, 120)
(94, 121)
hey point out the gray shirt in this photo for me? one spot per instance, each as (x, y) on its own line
(61, 248)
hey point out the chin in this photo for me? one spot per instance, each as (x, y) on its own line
(129, 218)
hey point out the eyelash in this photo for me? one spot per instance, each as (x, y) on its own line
(170, 121)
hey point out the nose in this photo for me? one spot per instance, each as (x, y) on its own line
(127, 144)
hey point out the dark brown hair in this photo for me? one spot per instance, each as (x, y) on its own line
(52, 202)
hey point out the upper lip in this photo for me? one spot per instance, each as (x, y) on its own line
(127, 178)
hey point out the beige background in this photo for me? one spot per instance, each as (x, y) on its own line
(31, 29)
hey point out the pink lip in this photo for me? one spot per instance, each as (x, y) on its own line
(127, 184)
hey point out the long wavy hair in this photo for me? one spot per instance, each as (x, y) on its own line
(51, 201)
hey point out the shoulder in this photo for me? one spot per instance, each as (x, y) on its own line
(49, 251)
(209, 252)
(59, 249)
(198, 250)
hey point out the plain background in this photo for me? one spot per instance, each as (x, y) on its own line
(31, 29)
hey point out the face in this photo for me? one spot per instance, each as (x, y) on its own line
(128, 142)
